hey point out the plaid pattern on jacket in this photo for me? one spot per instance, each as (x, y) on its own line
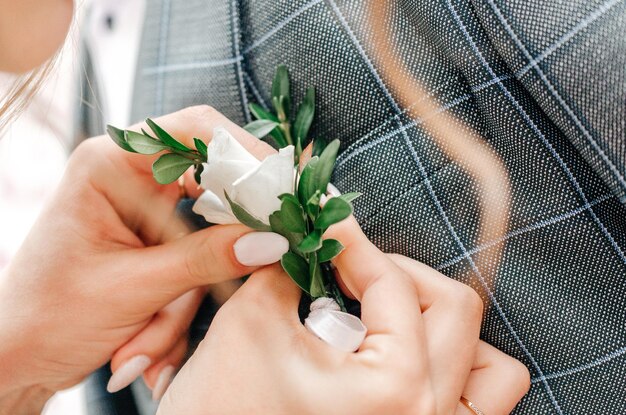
(523, 200)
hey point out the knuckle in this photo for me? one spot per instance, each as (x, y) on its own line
(202, 111)
(198, 258)
(207, 262)
(468, 300)
(88, 156)
(87, 149)
(520, 376)
(211, 257)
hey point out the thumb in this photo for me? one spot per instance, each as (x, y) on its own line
(164, 272)
(389, 300)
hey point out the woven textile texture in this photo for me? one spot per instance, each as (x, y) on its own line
(523, 202)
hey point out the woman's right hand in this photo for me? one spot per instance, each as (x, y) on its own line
(421, 354)
(110, 270)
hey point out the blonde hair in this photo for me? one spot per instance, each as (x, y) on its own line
(21, 93)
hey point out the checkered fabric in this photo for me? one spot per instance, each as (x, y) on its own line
(542, 83)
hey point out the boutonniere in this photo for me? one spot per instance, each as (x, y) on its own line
(288, 193)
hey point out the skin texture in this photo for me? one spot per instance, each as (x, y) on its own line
(422, 351)
(31, 31)
(108, 271)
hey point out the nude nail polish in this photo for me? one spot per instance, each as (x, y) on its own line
(260, 248)
(128, 372)
(163, 382)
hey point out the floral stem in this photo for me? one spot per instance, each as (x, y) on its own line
(191, 155)
(286, 127)
(335, 292)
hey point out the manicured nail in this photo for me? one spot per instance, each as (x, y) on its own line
(323, 200)
(128, 372)
(260, 248)
(163, 382)
(332, 190)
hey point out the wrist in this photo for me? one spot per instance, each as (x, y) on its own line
(25, 401)
(14, 347)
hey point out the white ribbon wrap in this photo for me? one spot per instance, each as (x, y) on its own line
(341, 330)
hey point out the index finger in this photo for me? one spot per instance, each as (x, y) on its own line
(199, 122)
(389, 300)
(153, 206)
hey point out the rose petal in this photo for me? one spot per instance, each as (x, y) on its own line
(219, 176)
(223, 146)
(212, 208)
(258, 190)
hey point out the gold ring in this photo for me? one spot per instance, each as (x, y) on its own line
(469, 405)
(181, 188)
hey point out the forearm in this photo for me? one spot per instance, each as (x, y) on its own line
(16, 398)
(28, 401)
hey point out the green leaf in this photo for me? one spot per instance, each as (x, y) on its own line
(279, 109)
(276, 222)
(292, 215)
(319, 144)
(289, 196)
(165, 137)
(169, 167)
(143, 144)
(349, 197)
(201, 147)
(312, 242)
(304, 118)
(316, 176)
(330, 249)
(334, 211)
(326, 165)
(280, 92)
(260, 128)
(298, 270)
(261, 114)
(306, 183)
(246, 218)
(315, 199)
(317, 278)
(118, 138)
(197, 173)
(276, 133)
(145, 133)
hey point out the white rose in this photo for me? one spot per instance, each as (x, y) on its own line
(254, 185)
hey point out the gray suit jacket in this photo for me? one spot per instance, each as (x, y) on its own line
(487, 136)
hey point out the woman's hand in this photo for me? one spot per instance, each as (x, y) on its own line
(109, 268)
(421, 354)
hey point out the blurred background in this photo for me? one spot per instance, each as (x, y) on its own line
(43, 133)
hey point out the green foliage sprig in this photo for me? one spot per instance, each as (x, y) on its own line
(300, 219)
(170, 166)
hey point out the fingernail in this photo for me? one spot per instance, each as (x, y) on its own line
(332, 190)
(323, 200)
(163, 382)
(260, 248)
(128, 372)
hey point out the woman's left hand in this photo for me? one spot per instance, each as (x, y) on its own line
(422, 352)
